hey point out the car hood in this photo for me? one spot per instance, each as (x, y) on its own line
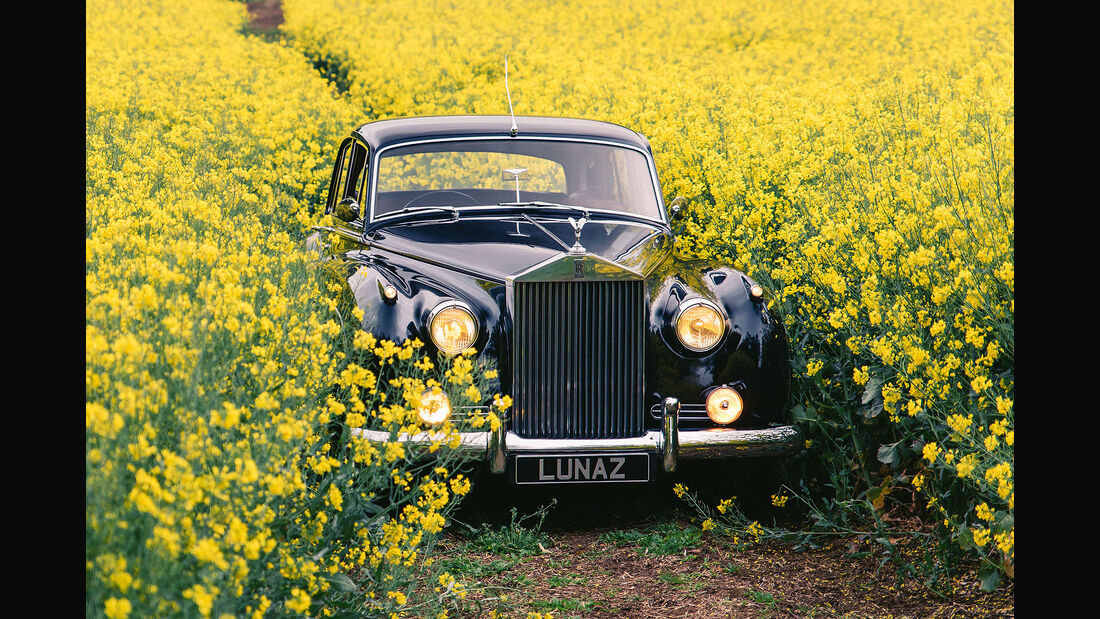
(498, 249)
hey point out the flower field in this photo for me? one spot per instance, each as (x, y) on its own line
(221, 382)
(856, 158)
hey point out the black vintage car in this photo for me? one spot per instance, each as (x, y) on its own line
(544, 243)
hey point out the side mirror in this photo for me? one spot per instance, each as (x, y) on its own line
(347, 209)
(676, 208)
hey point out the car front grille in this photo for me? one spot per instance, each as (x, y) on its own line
(578, 367)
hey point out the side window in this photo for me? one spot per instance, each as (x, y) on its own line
(339, 176)
(357, 173)
(349, 176)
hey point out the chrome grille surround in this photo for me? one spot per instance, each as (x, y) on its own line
(579, 335)
(579, 358)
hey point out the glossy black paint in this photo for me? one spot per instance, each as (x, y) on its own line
(471, 261)
(751, 356)
(433, 257)
(386, 132)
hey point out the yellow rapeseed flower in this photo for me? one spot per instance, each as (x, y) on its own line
(981, 536)
(117, 608)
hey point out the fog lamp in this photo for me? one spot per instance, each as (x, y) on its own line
(453, 327)
(700, 325)
(724, 405)
(435, 407)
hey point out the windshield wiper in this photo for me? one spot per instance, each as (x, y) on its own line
(416, 209)
(604, 214)
(621, 215)
(544, 205)
(543, 228)
(413, 213)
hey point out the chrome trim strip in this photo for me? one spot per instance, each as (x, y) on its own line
(497, 451)
(544, 271)
(474, 443)
(670, 434)
(347, 234)
(688, 412)
(706, 444)
(373, 170)
(731, 443)
(650, 442)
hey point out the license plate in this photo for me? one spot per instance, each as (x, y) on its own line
(582, 468)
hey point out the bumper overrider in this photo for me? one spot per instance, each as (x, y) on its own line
(669, 444)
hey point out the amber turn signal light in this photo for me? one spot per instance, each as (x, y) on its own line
(724, 405)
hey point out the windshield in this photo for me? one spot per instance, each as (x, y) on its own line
(491, 172)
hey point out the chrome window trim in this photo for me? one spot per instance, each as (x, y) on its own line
(373, 170)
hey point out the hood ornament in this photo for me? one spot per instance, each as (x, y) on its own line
(577, 248)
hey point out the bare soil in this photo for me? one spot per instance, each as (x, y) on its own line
(584, 573)
(265, 15)
(581, 576)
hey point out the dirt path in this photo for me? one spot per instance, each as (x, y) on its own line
(637, 554)
(583, 574)
(265, 15)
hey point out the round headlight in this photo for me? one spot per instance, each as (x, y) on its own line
(453, 327)
(724, 405)
(700, 325)
(434, 407)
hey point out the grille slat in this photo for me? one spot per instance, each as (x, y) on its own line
(578, 359)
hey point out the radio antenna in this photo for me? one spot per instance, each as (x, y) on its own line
(515, 130)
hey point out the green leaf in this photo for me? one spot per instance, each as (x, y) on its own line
(873, 389)
(873, 410)
(965, 538)
(1004, 522)
(342, 582)
(804, 413)
(990, 577)
(889, 455)
(875, 496)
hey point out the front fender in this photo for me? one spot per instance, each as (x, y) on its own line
(753, 354)
(420, 288)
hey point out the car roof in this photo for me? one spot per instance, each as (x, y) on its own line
(382, 133)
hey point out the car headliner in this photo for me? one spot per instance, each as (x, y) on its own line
(384, 133)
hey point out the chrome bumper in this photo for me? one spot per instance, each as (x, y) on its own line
(670, 443)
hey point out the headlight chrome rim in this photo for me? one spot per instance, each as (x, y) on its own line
(689, 304)
(463, 307)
